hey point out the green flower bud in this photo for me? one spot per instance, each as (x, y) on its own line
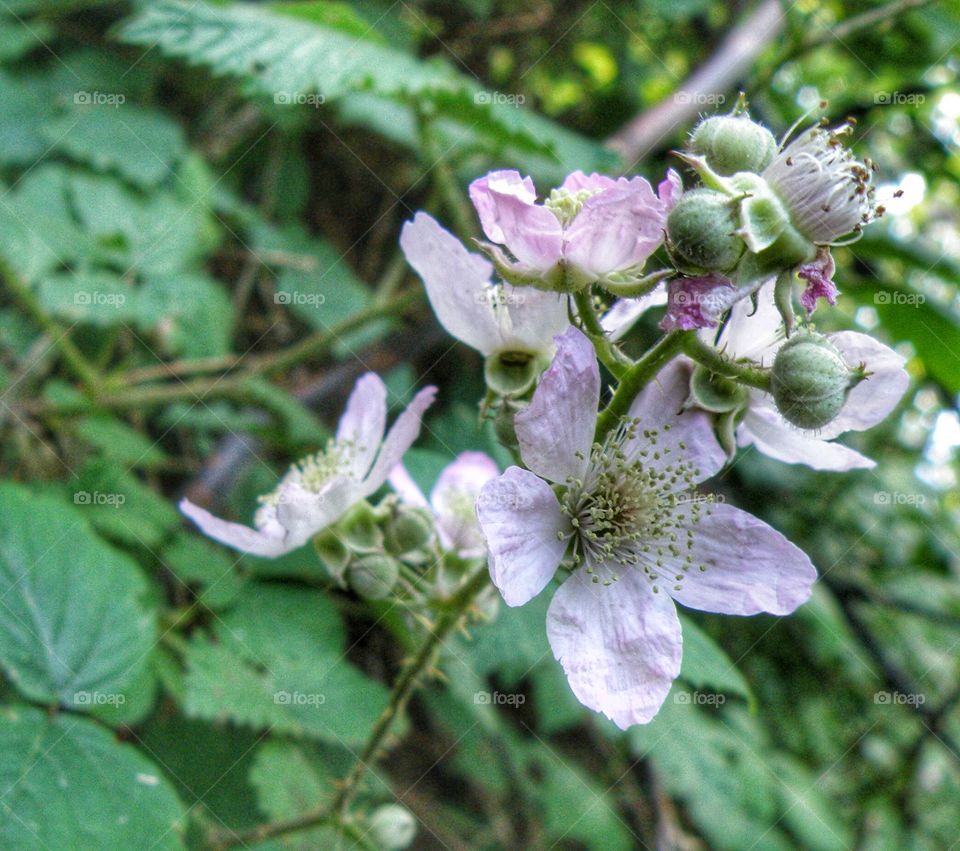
(733, 143)
(359, 530)
(715, 393)
(392, 827)
(810, 381)
(373, 576)
(512, 373)
(701, 232)
(409, 530)
(332, 552)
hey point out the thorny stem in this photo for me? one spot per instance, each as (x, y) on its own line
(714, 360)
(637, 377)
(452, 611)
(610, 356)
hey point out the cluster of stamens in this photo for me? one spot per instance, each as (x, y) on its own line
(829, 193)
(566, 203)
(624, 512)
(315, 471)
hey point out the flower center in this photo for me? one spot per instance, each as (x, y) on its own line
(315, 471)
(635, 507)
(828, 192)
(565, 203)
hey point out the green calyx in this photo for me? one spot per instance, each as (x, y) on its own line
(409, 530)
(810, 381)
(373, 576)
(716, 393)
(513, 373)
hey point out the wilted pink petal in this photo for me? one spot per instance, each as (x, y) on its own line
(697, 302)
(819, 277)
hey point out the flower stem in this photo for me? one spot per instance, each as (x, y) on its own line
(714, 360)
(85, 371)
(638, 376)
(452, 611)
(610, 356)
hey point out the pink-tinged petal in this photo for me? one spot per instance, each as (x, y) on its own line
(578, 181)
(457, 282)
(874, 399)
(750, 567)
(764, 428)
(399, 439)
(697, 302)
(522, 523)
(509, 215)
(406, 488)
(303, 513)
(659, 407)
(535, 318)
(754, 330)
(615, 230)
(669, 190)
(620, 318)
(363, 421)
(559, 423)
(457, 488)
(619, 644)
(819, 277)
(242, 538)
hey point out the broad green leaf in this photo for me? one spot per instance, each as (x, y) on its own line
(706, 664)
(121, 507)
(67, 783)
(280, 664)
(141, 145)
(71, 628)
(211, 568)
(119, 442)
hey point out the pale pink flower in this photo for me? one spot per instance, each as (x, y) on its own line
(626, 514)
(318, 490)
(593, 229)
(452, 500)
(757, 334)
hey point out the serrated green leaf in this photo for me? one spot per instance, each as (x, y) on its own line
(196, 561)
(279, 664)
(71, 628)
(706, 664)
(141, 145)
(68, 784)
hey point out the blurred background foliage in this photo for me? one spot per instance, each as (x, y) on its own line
(199, 213)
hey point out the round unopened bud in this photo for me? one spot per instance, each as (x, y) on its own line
(715, 393)
(373, 576)
(409, 530)
(392, 827)
(701, 231)
(810, 381)
(732, 143)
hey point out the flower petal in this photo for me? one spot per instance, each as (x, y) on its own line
(509, 215)
(754, 331)
(670, 189)
(660, 408)
(399, 439)
(750, 567)
(875, 398)
(236, 535)
(560, 421)
(776, 438)
(619, 644)
(406, 488)
(625, 312)
(521, 521)
(578, 181)
(459, 485)
(535, 318)
(615, 230)
(363, 421)
(304, 513)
